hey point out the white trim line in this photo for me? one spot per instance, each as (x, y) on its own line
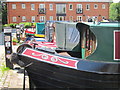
(114, 45)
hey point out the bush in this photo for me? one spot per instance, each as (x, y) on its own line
(6, 25)
(13, 25)
(26, 24)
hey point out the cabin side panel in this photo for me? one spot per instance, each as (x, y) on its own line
(105, 45)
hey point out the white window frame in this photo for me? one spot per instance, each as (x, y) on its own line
(70, 18)
(14, 19)
(23, 18)
(87, 6)
(32, 18)
(103, 6)
(50, 6)
(70, 8)
(41, 5)
(32, 6)
(79, 18)
(79, 6)
(51, 18)
(95, 6)
(23, 6)
(42, 18)
(13, 6)
(61, 8)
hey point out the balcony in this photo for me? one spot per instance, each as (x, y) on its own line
(79, 11)
(41, 10)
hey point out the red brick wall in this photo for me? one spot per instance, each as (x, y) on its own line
(28, 12)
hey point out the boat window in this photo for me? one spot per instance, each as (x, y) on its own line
(88, 43)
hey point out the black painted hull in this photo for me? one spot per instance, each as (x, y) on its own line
(88, 74)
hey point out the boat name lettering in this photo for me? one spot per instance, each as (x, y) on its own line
(53, 59)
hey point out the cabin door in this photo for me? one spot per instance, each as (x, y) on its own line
(88, 43)
(60, 18)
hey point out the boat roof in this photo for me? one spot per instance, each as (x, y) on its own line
(58, 0)
(99, 24)
(104, 24)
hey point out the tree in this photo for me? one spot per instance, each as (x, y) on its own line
(4, 13)
(115, 11)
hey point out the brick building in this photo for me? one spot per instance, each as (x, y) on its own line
(61, 10)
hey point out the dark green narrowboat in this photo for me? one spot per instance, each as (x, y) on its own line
(87, 56)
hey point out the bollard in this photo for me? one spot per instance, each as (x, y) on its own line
(8, 46)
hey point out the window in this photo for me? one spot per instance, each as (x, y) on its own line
(13, 6)
(42, 9)
(51, 6)
(79, 6)
(61, 8)
(71, 18)
(41, 5)
(42, 18)
(14, 19)
(89, 18)
(79, 9)
(33, 19)
(23, 6)
(88, 7)
(79, 18)
(32, 6)
(103, 6)
(70, 7)
(60, 18)
(95, 6)
(51, 18)
(23, 18)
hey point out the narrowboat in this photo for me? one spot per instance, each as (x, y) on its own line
(87, 56)
(37, 31)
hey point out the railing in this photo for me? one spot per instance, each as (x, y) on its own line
(79, 10)
(41, 10)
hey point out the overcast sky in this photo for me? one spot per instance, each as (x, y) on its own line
(116, 1)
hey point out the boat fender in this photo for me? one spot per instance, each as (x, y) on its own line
(15, 60)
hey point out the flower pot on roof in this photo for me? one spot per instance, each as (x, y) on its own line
(14, 41)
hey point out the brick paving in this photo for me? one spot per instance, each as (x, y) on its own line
(11, 79)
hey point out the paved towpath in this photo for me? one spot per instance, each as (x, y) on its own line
(11, 79)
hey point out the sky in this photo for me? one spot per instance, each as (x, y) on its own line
(116, 1)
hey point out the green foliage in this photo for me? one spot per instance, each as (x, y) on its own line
(26, 24)
(14, 40)
(13, 25)
(6, 25)
(4, 13)
(3, 68)
(115, 11)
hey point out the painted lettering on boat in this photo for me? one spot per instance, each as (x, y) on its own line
(45, 57)
(117, 45)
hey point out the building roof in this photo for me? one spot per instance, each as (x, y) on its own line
(59, 0)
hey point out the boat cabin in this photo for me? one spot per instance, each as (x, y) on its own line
(89, 41)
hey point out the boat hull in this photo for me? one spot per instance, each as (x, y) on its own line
(87, 74)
